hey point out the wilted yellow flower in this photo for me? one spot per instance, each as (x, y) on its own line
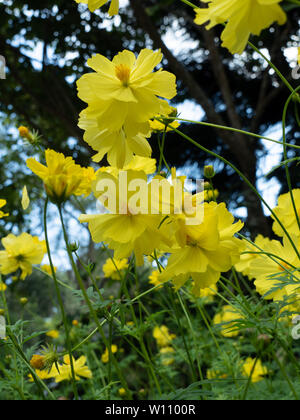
(259, 371)
(105, 355)
(95, 4)
(62, 177)
(21, 252)
(65, 372)
(2, 204)
(53, 334)
(227, 316)
(286, 214)
(24, 132)
(37, 362)
(122, 392)
(162, 336)
(112, 268)
(242, 19)
(127, 89)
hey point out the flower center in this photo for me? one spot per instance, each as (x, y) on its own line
(123, 74)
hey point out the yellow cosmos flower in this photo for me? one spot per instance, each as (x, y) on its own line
(242, 19)
(213, 374)
(21, 252)
(105, 355)
(163, 336)
(112, 268)
(267, 271)
(257, 369)
(47, 269)
(53, 334)
(62, 177)
(65, 372)
(129, 228)
(43, 374)
(226, 318)
(96, 4)
(127, 89)
(286, 213)
(206, 250)
(2, 204)
(122, 392)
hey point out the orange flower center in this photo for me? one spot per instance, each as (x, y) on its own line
(283, 264)
(123, 73)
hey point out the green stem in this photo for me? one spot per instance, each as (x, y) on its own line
(61, 304)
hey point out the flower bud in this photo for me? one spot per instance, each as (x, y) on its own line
(209, 171)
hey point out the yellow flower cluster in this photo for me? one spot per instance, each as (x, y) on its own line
(242, 19)
(105, 355)
(21, 252)
(122, 96)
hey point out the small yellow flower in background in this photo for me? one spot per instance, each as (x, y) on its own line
(65, 372)
(242, 19)
(105, 355)
(154, 279)
(122, 392)
(47, 269)
(208, 294)
(62, 177)
(163, 336)
(3, 287)
(21, 252)
(37, 362)
(259, 371)
(127, 89)
(113, 268)
(2, 204)
(286, 213)
(75, 323)
(53, 334)
(95, 4)
(23, 301)
(227, 316)
(25, 199)
(166, 353)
